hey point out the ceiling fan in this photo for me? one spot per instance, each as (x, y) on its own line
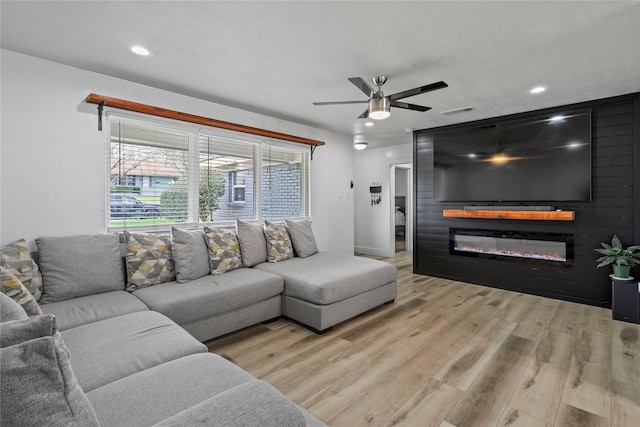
(379, 104)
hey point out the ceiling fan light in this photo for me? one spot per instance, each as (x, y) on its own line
(359, 143)
(379, 108)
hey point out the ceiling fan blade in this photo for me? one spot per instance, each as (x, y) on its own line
(364, 115)
(340, 102)
(361, 84)
(408, 106)
(418, 90)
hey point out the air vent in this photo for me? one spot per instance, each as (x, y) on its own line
(456, 111)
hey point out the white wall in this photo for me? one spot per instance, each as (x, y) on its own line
(52, 170)
(373, 223)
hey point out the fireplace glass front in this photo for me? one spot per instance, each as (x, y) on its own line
(544, 247)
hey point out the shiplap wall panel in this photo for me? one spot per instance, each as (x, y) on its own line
(614, 209)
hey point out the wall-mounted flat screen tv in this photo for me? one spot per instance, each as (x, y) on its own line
(536, 159)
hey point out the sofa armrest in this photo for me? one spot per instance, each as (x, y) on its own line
(251, 404)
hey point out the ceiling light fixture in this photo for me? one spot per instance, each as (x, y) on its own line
(369, 124)
(500, 159)
(359, 143)
(538, 89)
(379, 108)
(140, 50)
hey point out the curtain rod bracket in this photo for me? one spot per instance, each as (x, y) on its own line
(100, 108)
(313, 149)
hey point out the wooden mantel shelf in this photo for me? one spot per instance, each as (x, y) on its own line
(525, 215)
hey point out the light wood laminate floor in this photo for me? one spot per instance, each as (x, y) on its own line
(448, 353)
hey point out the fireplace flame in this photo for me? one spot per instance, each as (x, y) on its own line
(512, 253)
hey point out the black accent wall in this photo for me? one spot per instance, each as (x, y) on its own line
(614, 209)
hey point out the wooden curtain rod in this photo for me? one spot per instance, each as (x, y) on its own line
(122, 104)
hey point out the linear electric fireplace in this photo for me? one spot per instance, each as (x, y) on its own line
(512, 245)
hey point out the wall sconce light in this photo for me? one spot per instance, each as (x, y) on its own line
(359, 143)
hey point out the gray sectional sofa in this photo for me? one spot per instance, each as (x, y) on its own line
(135, 349)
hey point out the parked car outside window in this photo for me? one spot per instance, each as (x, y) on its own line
(126, 206)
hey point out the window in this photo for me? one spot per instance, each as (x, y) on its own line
(284, 182)
(161, 175)
(236, 186)
(139, 154)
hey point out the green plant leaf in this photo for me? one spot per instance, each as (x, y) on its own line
(605, 262)
(615, 242)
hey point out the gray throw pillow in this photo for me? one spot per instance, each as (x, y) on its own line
(75, 266)
(190, 254)
(253, 245)
(304, 242)
(39, 387)
(18, 331)
(10, 310)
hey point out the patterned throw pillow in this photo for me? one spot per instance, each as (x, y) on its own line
(14, 289)
(16, 258)
(224, 250)
(279, 245)
(149, 260)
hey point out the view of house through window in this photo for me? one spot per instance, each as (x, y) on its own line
(161, 176)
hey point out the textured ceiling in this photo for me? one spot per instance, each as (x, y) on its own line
(276, 58)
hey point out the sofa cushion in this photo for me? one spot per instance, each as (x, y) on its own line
(325, 278)
(252, 404)
(14, 289)
(10, 310)
(16, 258)
(167, 388)
(111, 349)
(253, 245)
(279, 245)
(224, 250)
(211, 295)
(190, 254)
(75, 266)
(149, 260)
(93, 308)
(302, 238)
(40, 388)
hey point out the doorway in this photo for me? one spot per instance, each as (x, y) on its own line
(402, 208)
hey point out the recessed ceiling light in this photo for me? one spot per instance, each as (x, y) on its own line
(538, 89)
(140, 50)
(369, 124)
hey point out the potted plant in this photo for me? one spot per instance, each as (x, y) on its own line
(621, 258)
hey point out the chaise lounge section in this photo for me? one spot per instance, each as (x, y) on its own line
(325, 289)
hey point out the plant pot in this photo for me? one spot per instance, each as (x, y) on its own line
(621, 271)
